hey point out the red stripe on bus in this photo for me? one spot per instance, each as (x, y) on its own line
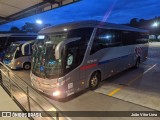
(88, 66)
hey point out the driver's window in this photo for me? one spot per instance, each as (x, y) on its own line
(71, 56)
(26, 50)
(74, 54)
(18, 54)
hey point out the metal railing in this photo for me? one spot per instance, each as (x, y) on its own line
(29, 99)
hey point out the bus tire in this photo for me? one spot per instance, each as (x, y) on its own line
(27, 66)
(94, 80)
(137, 63)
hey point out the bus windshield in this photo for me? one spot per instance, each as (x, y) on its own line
(44, 64)
(11, 51)
(43, 57)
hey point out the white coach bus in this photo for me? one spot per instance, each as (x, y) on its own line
(71, 57)
(18, 55)
(8, 38)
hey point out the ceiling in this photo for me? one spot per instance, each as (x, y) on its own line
(11, 10)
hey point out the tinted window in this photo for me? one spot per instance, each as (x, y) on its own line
(75, 52)
(31, 46)
(18, 54)
(106, 38)
(6, 41)
(130, 37)
(81, 32)
(14, 39)
(142, 38)
(26, 50)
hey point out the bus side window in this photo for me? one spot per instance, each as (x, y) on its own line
(75, 52)
(26, 50)
(31, 47)
(102, 40)
(106, 38)
(142, 38)
(71, 55)
(18, 54)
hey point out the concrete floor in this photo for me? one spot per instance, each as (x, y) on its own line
(140, 86)
(132, 90)
(7, 104)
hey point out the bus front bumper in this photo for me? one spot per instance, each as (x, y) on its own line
(8, 63)
(11, 64)
(53, 90)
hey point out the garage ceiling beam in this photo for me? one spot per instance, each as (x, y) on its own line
(28, 9)
(35, 9)
(50, 1)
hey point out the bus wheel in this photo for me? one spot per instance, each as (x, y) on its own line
(94, 81)
(137, 63)
(27, 66)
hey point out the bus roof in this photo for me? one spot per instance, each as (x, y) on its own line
(88, 23)
(18, 35)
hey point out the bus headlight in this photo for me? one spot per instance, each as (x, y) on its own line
(18, 63)
(58, 84)
(56, 93)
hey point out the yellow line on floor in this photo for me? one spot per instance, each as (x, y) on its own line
(131, 81)
(115, 91)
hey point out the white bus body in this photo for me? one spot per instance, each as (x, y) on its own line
(71, 57)
(8, 38)
(18, 55)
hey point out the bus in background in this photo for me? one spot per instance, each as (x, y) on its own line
(7, 39)
(18, 55)
(70, 57)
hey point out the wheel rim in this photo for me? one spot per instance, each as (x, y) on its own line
(27, 66)
(94, 81)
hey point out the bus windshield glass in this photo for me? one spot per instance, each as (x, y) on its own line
(11, 51)
(43, 58)
(44, 64)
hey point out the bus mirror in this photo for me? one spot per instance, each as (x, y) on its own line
(59, 47)
(17, 48)
(58, 50)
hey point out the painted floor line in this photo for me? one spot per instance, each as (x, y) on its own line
(115, 91)
(141, 75)
(128, 84)
(149, 68)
